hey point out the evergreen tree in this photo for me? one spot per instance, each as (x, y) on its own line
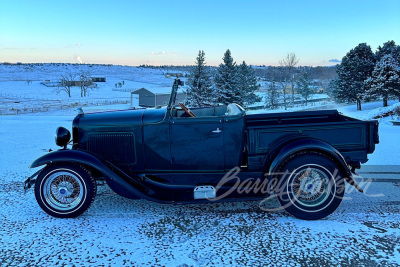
(385, 79)
(226, 81)
(331, 90)
(304, 87)
(200, 91)
(247, 85)
(356, 67)
(388, 48)
(272, 97)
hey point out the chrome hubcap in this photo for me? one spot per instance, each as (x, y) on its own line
(63, 190)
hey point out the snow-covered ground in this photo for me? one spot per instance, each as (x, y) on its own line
(364, 231)
(387, 152)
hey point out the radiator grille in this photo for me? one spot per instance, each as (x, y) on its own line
(116, 148)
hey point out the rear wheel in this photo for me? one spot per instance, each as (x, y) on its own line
(311, 185)
(65, 190)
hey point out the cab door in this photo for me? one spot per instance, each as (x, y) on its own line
(197, 144)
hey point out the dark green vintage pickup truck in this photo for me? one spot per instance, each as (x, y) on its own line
(205, 155)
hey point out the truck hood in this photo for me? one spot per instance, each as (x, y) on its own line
(111, 118)
(119, 118)
(122, 121)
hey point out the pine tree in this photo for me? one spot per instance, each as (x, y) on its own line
(200, 91)
(388, 48)
(385, 79)
(247, 85)
(356, 67)
(332, 90)
(304, 87)
(272, 97)
(226, 81)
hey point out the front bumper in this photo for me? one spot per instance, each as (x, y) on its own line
(31, 181)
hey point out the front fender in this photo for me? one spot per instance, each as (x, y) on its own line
(67, 155)
(80, 157)
(314, 145)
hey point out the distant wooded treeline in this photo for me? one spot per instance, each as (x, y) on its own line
(268, 73)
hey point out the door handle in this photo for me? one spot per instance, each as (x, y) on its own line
(217, 131)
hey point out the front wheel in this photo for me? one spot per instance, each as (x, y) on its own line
(65, 190)
(311, 185)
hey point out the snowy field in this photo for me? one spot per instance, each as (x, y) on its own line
(364, 231)
(22, 91)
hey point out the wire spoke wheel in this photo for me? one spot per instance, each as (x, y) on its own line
(311, 187)
(63, 190)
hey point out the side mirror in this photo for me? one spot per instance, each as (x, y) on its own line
(181, 83)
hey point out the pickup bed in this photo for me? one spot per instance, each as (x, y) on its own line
(353, 138)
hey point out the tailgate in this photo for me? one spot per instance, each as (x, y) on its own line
(373, 135)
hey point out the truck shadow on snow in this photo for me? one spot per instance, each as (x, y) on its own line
(108, 203)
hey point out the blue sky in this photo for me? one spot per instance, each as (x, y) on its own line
(172, 32)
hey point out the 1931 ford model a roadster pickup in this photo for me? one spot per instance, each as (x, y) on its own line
(178, 155)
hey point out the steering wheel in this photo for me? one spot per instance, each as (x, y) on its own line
(187, 110)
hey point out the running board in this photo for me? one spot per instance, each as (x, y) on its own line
(204, 192)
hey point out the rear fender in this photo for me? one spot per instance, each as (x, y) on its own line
(312, 145)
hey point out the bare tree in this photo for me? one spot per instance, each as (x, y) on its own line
(86, 82)
(288, 65)
(66, 82)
